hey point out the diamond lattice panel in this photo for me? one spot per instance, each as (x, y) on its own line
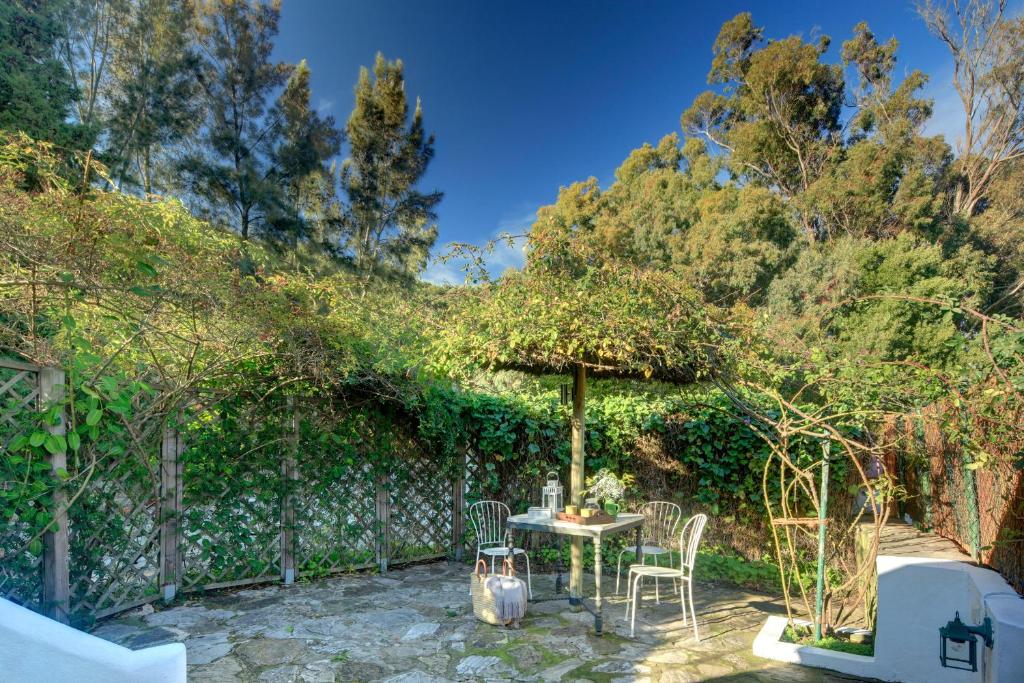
(20, 568)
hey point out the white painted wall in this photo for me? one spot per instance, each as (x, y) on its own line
(34, 648)
(916, 596)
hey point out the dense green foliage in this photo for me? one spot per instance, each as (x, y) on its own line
(183, 98)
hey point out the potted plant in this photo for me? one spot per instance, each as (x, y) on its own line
(609, 488)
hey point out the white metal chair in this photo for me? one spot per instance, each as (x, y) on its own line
(488, 520)
(689, 541)
(661, 522)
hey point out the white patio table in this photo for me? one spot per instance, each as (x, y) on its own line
(596, 532)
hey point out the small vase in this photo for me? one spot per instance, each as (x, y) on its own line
(612, 509)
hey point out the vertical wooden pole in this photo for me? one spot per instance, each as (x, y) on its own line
(819, 595)
(576, 478)
(56, 560)
(289, 475)
(171, 448)
(383, 510)
(458, 509)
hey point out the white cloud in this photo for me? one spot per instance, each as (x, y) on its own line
(323, 105)
(503, 253)
(438, 273)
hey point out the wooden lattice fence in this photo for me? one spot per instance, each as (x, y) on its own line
(21, 576)
(114, 524)
(155, 518)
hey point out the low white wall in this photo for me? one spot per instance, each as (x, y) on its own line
(34, 648)
(916, 596)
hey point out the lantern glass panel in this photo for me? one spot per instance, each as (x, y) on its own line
(551, 494)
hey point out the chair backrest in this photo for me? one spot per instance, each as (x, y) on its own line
(661, 522)
(689, 540)
(488, 520)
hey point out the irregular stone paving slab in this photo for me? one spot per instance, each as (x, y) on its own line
(416, 625)
(416, 677)
(154, 636)
(268, 651)
(206, 649)
(421, 631)
(280, 674)
(556, 672)
(187, 617)
(224, 670)
(478, 665)
(618, 666)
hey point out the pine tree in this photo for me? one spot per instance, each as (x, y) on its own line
(306, 143)
(35, 89)
(388, 224)
(230, 173)
(153, 90)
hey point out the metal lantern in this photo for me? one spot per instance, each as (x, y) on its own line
(958, 643)
(551, 495)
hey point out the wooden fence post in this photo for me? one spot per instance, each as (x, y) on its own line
(171, 448)
(383, 517)
(289, 474)
(458, 510)
(56, 560)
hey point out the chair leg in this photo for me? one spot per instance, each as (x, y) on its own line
(629, 580)
(636, 601)
(682, 604)
(618, 574)
(657, 585)
(529, 581)
(689, 585)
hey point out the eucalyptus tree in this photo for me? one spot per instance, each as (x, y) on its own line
(987, 47)
(776, 111)
(888, 176)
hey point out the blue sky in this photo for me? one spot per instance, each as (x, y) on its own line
(525, 97)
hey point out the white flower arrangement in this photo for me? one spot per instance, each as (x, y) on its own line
(607, 486)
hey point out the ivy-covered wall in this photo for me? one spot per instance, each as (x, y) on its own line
(691, 449)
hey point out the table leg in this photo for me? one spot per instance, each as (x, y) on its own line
(639, 545)
(509, 545)
(559, 587)
(597, 585)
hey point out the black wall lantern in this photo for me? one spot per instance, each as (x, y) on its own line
(959, 643)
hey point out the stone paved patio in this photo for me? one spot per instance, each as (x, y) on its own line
(416, 625)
